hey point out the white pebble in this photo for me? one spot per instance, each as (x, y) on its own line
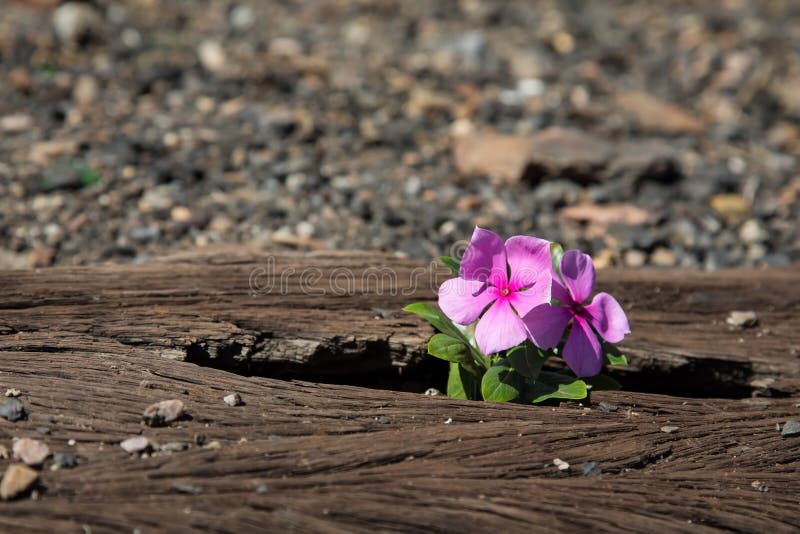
(561, 464)
(234, 399)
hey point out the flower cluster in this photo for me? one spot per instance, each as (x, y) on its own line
(512, 305)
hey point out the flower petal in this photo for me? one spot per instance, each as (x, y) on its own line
(582, 350)
(546, 324)
(464, 300)
(559, 292)
(499, 328)
(577, 271)
(608, 318)
(528, 257)
(485, 258)
(536, 294)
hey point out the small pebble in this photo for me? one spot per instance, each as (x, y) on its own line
(186, 489)
(663, 257)
(591, 469)
(212, 56)
(19, 122)
(634, 258)
(669, 429)
(607, 407)
(32, 452)
(85, 90)
(12, 392)
(791, 429)
(449, 421)
(180, 214)
(135, 445)
(234, 399)
(432, 392)
(242, 17)
(175, 446)
(12, 410)
(759, 486)
(744, 319)
(17, 480)
(71, 442)
(74, 21)
(752, 231)
(262, 490)
(65, 460)
(561, 464)
(164, 412)
(382, 419)
(731, 207)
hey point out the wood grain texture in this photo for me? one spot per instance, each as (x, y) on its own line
(325, 463)
(340, 313)
(90, 348)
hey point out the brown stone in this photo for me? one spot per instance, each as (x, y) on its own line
(645, 159)
(164, 412)
(20, 79)
(423, 102)
(655, 115)
(663, 257)
(85, 91)
(17, 479)
(598, 217)
(135, 445)
(553, 152)
(732, 208)
(568, 153)
(501, 157)
(18, 122)
(46, 151)
(31, 451)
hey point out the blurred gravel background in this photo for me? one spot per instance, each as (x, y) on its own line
(648, 133)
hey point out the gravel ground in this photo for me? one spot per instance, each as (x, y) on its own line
(648, 133)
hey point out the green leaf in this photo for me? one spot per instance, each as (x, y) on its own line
(49, 69)
(88, 177)
(526, 360)
(556, 386)
(461, 384)
(454, 350)
(603, 382)
(448, 348)
(501, 383)
(451, 263)
(435, 317)
(446, 326)
(556, 251)
(613, 355)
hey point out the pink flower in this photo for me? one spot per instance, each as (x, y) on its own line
(546, 324)
(505, 279)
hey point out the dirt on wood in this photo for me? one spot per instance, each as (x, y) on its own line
(89, 349)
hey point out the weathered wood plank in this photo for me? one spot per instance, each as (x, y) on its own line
(91, 347)
(313, 457)
(236, 308)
